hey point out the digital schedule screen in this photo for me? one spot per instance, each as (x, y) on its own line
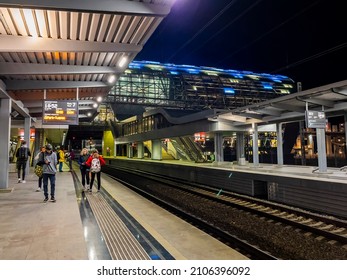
(60, 112)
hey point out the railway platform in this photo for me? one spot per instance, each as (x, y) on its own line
(71, 228)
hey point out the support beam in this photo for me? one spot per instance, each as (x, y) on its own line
(289, 107)
(10, 68)
(270, 112)
(19, 107)
(317, 101)
(39, 95)
(11, 43)
(25, 84)
(251, 116)
(100, 6)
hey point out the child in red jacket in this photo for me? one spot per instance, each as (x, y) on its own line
(95, 161)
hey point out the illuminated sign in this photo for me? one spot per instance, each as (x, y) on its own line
(315, 119)
(60, 112)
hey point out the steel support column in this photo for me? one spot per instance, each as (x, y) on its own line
(322, 155)
(218, 147)
(240, 145)
(140, 150)
(156, 150)
(255, 144)
(279, 144)
(5, 124)
(130, 150)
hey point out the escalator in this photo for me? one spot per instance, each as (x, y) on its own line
(192, 149)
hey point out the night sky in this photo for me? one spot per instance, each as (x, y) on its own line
(305, 40)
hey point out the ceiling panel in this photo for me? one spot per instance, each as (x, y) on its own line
(73, 33)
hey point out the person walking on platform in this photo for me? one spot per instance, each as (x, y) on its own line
(61, 158)
(39, 161)
(22, 155)
(68, 160)
(84, 168)
(95, 162)
(49, 171)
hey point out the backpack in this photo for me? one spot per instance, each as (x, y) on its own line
(95, 166)
(58, 156)
(23, 154)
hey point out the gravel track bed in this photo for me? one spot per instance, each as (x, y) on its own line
(284, 242)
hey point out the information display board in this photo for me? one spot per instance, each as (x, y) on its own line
(315, 119)
(60, 112)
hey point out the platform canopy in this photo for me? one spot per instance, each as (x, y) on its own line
(71, 49)
(331, 98)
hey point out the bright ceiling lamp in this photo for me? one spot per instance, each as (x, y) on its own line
(99, 99)
(111, 78)
(122, 61)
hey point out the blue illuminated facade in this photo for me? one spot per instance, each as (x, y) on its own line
(185, 86)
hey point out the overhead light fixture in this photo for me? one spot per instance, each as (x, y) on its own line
(95, 105)
(99, 99)
(111, 79)
(122, 61)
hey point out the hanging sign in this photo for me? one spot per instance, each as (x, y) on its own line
(315, 119)
(60, 112)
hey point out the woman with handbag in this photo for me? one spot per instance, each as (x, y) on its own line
(84, 168)
(39, 162)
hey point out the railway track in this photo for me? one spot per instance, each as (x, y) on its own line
(316, 228)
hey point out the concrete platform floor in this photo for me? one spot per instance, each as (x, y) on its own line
(33, 230)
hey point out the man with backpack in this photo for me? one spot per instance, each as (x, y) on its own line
(22, 155)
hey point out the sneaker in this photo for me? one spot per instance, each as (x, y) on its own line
(45, 200)
(38, 189)
(19, 180)
(53, 199)
(90, 190)
(98, 191)
(23, 181)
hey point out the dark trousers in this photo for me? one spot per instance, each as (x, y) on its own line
(85, 176)
(98, 176)
(21, 165)
(70, 164)
(40, 182)
(51, 178)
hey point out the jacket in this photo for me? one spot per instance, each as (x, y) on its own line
(51, 167)
(101, 159)
(83, 159)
